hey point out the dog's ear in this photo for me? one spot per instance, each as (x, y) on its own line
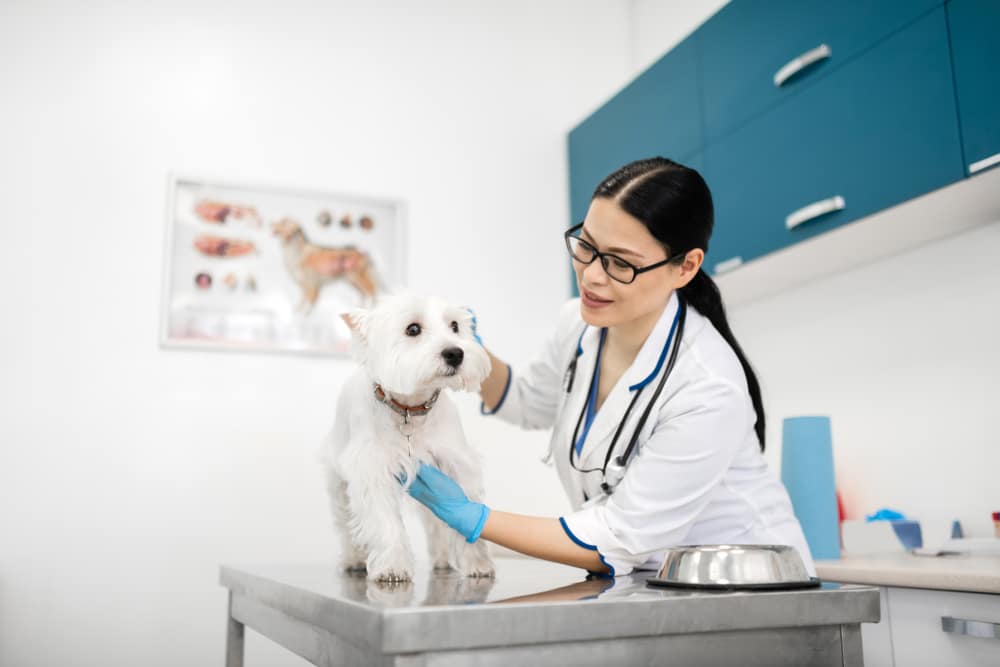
(357, 320)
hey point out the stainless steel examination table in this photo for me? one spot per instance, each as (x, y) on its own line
(538, 613)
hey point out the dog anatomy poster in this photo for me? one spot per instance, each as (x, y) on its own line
(270, 269)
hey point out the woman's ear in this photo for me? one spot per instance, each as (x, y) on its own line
(689, 267)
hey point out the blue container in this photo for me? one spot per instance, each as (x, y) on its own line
(807, 472)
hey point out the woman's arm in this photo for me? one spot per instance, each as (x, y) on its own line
(540, 537)
(531, 535)
(492, 389)
(530, 397)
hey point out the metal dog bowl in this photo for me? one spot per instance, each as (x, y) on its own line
(734, 567)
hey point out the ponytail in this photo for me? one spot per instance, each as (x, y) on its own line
(675, 204)
(703, 294)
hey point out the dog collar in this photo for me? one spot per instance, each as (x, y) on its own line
(405, 411)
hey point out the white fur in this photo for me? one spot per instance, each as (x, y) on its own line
(368, 447)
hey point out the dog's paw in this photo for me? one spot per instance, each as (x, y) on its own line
(478, 564)
(391, 566)
(392, 575)
(482, 572)
(353, 566)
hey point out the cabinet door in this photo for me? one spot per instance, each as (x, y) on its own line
(975, 44)
(918, 636)
(748, 42)
(876, 638)
(876, 132)
(656, 114)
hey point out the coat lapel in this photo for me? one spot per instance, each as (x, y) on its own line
(644, 370)
(585, 362)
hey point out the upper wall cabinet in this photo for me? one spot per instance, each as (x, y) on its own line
(656, 114)
(804, 115)
(975, 44)
(880, 130)
(756, 53)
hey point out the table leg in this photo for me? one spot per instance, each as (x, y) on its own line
(850, 642)
(234, 638)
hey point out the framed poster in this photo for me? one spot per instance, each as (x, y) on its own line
(272, 269)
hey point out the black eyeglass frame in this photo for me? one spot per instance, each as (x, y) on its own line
(568, 234)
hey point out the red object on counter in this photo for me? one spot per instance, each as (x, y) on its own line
(841, 515)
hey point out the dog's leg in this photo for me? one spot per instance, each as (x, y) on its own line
(310, 294)
(352, 556)
(473, 559)
(375, 498)
(363, 283)
(438, 540)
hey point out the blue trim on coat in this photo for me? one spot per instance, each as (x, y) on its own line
(503, 396)
(592, 397)
(663, 354)
(579, 341)
(591, 547)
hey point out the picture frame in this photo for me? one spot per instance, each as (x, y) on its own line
(272, 269)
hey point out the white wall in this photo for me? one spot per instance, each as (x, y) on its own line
(128, 473)
(657, 26)
(902, 355)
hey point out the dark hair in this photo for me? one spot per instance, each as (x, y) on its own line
(675, 204)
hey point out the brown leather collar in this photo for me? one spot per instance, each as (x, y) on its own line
(405, 411)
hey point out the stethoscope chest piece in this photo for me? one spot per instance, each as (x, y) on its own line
(614, 473)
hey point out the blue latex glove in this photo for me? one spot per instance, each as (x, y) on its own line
(884, 514)
(449, 503)
(475, 334)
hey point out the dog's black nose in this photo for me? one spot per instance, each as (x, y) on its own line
(453, 356)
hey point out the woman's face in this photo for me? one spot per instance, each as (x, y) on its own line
(605, 302)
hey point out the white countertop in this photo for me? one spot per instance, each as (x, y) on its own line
(964, 572)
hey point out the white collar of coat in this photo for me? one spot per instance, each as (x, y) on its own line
(647, 365)
(652, 355)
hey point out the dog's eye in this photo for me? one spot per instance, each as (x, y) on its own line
(454, 327)
(413, 330)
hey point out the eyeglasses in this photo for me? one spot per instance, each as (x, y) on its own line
(616, 267)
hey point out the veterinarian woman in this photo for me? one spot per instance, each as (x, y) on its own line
(657, 417)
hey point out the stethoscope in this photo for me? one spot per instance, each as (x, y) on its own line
(613, 471)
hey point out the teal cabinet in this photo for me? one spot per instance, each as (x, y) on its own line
(748, 42)
(975, 43)
(656, 114)
(879, 130)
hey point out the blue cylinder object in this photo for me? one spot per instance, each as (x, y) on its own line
(807, 473)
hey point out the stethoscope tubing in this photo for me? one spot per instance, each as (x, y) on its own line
(622, 461)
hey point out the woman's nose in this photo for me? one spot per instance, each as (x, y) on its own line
(594, 273)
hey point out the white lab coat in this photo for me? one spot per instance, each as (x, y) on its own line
(697, 475)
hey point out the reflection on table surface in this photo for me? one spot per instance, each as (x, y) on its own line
(518, 581)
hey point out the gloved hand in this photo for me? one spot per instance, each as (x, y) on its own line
(449, 503)
(475, 334)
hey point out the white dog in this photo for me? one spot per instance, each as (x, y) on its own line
(392, 414)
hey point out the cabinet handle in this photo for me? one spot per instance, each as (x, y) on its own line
(984, 163)
(962, 626)
(797, 64)
(814, 210)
